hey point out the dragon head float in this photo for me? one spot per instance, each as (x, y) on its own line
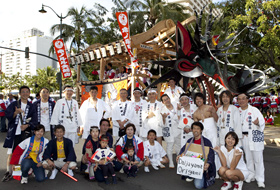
(198, 56)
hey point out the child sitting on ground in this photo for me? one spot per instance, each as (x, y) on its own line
(105, 157)
(154, 154)
(131, 160)
(90, 146)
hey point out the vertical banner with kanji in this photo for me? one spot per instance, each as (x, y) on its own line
(124, 27)
(62, 58)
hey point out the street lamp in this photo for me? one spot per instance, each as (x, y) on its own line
(61, 18)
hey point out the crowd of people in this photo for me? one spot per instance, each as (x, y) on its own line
(41, 136)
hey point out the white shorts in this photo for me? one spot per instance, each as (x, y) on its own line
(245, 173)
(10, 151)
(60, 163)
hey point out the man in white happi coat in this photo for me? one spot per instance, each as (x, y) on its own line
(253, 124)
(92, 111)
(66, 113)
(173, 91)
(170, 131)
(152, 117)
(137, 106)
(121, 113)
(185, 111)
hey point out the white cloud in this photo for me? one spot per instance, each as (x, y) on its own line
(19, 15)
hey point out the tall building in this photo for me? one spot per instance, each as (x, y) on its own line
(197, 5)
(15, 61)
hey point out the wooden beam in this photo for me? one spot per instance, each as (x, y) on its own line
(102, 69)
(172, 41)
(172, 30)
(141, 83)
(149, 35)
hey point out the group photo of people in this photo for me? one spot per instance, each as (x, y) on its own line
(135, 136)
(140, 94)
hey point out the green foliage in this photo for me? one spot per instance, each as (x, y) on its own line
(45, 77)
(155, 10)
(75, 33)
(259, 43)
(102, 30)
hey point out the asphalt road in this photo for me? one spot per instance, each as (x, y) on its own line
(164, 179)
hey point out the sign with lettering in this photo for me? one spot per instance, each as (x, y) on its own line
(62, 58)
(146, 47)
(192, 167)
(123, 21)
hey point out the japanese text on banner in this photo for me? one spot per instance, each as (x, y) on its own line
(62, 58)
(124, 27)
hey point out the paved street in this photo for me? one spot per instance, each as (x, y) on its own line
(164, 179)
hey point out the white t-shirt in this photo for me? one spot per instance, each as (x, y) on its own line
(155, 152)
(229, 156)
(45, 115)
(18, 131)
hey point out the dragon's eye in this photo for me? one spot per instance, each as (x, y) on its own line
(195, 58)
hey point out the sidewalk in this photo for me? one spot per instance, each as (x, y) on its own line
(272, 136)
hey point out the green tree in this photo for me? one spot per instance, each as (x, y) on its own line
(101, 30)
(76, 32)
(155, 10)
(261, 38)
(45, 77)
(13, 82)
(71, 80)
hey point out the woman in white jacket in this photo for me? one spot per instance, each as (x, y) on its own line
(29, 153)
(228, 118)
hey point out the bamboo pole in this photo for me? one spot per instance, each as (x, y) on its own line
(78, 82)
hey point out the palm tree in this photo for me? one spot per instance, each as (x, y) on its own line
(154, 10)
(45, 77)
(101, 30)
(76, 32)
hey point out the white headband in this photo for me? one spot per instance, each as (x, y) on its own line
(183, 96)
(68, 89)
(137, 91)
(152, 90)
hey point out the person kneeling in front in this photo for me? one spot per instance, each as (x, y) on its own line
(60, 154)
(209, 174)
(29, 154)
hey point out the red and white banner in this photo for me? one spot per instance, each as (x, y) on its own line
(62, 58)
(124, 27)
